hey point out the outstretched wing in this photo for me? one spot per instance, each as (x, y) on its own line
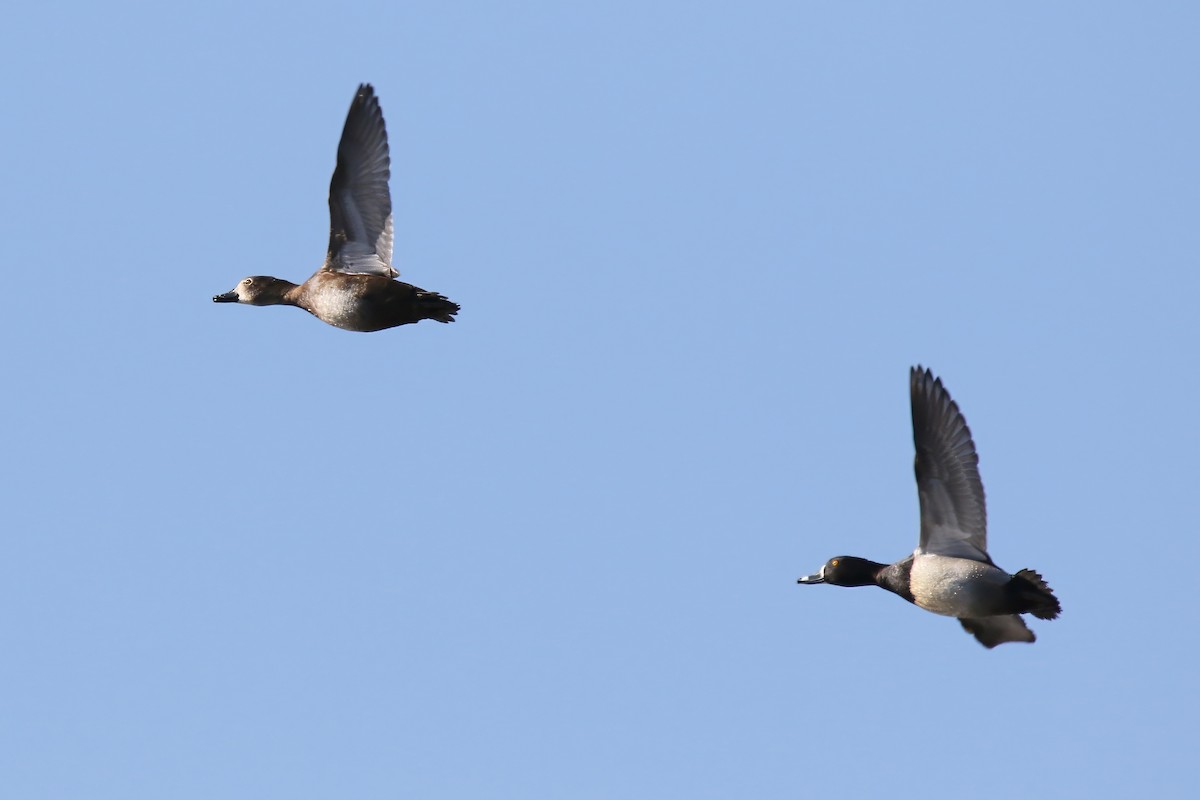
(953, 510)
(360, 205)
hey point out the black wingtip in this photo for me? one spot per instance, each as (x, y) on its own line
(930, 397)
(922, 379)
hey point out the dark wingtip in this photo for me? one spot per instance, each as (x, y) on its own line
(921, 379)
(364, 97)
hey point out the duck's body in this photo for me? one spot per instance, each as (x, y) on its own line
(351, 302)
(370, 302)
(354, 289)
(950, 572)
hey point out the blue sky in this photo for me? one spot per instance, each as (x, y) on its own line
(550, 550)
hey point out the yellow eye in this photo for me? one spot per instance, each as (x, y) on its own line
(833, 563)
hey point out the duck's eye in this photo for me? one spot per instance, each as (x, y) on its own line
(248, 282)
(833, 562)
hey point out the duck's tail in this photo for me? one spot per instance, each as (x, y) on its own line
(1034, 596)
(435, 306)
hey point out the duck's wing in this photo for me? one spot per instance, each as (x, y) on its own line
(360, 205)
(991, 631)
(953, 510)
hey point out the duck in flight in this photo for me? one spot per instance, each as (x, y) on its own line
(354, 289)
(950, 572)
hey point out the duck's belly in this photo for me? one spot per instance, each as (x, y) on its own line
(957, 587)
(336, 308)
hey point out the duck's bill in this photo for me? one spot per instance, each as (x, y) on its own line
(818, 578)
(228, 297)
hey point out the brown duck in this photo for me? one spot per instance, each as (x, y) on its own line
(354, 289)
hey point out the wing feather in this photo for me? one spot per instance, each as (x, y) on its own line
(953, 508)
(360, 204)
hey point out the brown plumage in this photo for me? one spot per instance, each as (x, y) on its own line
(354, 289)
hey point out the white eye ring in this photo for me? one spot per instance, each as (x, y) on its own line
(248, 282)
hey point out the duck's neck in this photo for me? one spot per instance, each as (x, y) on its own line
(290, 294)
(895, 578)
(857, 571)
(280, 293)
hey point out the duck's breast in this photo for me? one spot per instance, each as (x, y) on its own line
(336, 299)
(957, 587)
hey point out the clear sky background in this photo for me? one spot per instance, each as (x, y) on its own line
(550, 551)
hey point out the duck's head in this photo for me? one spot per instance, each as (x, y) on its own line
(846, 571)
(257, 290)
